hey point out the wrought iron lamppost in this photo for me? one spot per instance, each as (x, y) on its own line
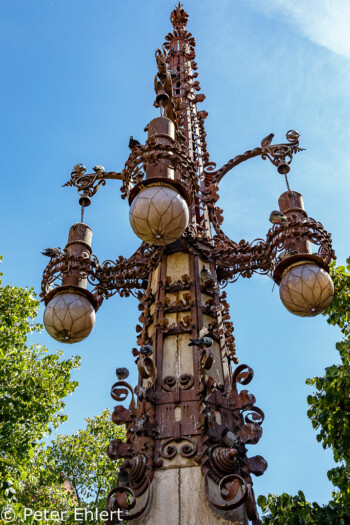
(187, 417)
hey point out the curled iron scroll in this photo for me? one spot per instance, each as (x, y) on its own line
(255, 416)
(243, 375)
(186, 381)
(188, 449)
(209, 167)
(146, 367)
(169, 383)
(120, 391)
(229, 487)
(206, 359)
(120, 497)
(170, 451)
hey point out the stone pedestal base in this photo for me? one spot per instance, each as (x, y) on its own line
(178, 498)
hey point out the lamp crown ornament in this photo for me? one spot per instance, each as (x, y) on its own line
(188, 417)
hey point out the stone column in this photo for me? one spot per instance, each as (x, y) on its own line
(182, 304)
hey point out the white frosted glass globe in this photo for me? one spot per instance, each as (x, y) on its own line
(159, 215)
(306, 289)
(69, 317)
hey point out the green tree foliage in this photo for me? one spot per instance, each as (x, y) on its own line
(33, 385)
(83, 459)
(41, 486)
(74, 472)
(329, 413)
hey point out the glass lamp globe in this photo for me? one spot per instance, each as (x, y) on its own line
(159, 215)
(306, 289)
(69, 317)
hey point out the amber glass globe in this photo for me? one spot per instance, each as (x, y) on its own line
(159, 215)
(306, 289)
(69, 317)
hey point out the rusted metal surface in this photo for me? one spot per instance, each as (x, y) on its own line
(292, 205)
(218, 418)
(280, 155)
(123, 276)
(79, 244)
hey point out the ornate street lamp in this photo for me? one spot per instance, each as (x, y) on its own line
(187, 417)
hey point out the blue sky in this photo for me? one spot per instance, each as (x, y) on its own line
(77, 81)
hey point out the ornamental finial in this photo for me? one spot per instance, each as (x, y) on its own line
(179, 17)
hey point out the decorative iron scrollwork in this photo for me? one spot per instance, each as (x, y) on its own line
(124, 276)
(225, 455)
(185, 382)
(230, 487)
(124, 498)
(187, 450)
(137, 452)
(276, 153)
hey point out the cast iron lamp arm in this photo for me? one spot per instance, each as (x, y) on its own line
(87, 184)
(279, 154)
(264, 256)
(124, 276)
(261, 256)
